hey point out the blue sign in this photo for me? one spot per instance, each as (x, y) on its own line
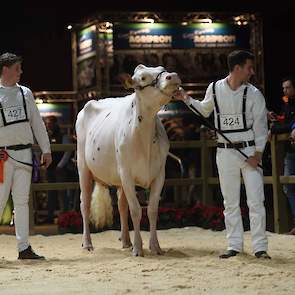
(143, 35)
(86, 41)
(212, 35)
(62, 111)
(177, 36)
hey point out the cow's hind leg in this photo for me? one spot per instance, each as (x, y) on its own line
(153, 206)
(123, 210)
(85, 209)
(86, 186)
(85, 180)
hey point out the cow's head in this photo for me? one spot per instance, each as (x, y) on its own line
(155, 81)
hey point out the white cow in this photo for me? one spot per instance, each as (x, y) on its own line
(121, 142)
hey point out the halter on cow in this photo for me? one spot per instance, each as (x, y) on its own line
(122, 143)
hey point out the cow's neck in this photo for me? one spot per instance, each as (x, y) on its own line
(145, 124)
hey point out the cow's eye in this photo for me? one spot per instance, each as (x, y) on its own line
(142, 78)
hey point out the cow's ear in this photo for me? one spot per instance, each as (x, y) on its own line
(126, 81)
(139, 67)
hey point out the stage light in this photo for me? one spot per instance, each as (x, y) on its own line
(242, 20)
(205, 20)
(39, 100)
(198, 18)
(145, 17)
(149, 20)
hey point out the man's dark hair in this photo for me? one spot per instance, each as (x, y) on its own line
(8, 59)
(51, 118)
(238, 57)
(289, 78)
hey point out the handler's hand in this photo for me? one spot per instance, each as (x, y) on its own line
(254, 160)
(272, 116)
(46, 159)
(269, 135)
(180, 94)
(3, 155)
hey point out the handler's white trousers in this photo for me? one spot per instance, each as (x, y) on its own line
(230, 166)
(17, 179)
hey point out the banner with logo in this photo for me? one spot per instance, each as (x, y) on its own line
(143, 35)
(214, 35)
(177, 36)
(86, 42)
(62, 111)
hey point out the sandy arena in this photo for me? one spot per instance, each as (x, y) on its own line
(189, 266)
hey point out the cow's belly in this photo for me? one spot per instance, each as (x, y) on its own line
(100, 154)
(103, 168)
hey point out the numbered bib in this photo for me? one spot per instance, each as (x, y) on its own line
(231, 122)
(14, 114)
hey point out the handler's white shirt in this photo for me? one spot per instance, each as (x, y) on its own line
(230, 102)
(22, 133)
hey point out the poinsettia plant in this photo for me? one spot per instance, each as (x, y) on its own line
(208, 217)
(70, 221)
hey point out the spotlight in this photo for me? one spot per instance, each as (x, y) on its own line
(39, 100)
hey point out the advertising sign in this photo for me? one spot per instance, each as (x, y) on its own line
(86, 73)
(177, 36)
(62, 111)
(86, 42)
(213, 35)
(143, 35)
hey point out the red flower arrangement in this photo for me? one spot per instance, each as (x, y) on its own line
(199, 215)
(70, 221)
(208, 217)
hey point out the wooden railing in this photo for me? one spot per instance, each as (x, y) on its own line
(206, 180)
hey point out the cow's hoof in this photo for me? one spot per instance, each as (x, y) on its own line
(157, 251)
(127, 245)
(88, 247)
(137, 252)
(155, 248)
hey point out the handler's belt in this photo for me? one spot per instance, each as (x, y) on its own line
(236, 145)
(16, 147)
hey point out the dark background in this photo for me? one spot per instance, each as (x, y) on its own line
(37, 31)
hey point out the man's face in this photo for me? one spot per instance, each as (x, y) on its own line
(246, 71)
(288, 89)
(49, 125)
(12, 73)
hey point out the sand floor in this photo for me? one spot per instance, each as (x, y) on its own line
(189, 266)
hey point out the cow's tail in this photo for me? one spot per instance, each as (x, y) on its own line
(101, 212)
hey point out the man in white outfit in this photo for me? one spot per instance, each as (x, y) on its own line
(240, 114)
(19, 120)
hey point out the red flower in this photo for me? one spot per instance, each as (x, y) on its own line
(70, 219)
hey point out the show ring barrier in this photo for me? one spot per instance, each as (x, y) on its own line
(206, 180)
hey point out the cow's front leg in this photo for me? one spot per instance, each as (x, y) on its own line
(156, 188)
(123, 210)
(135, 211)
